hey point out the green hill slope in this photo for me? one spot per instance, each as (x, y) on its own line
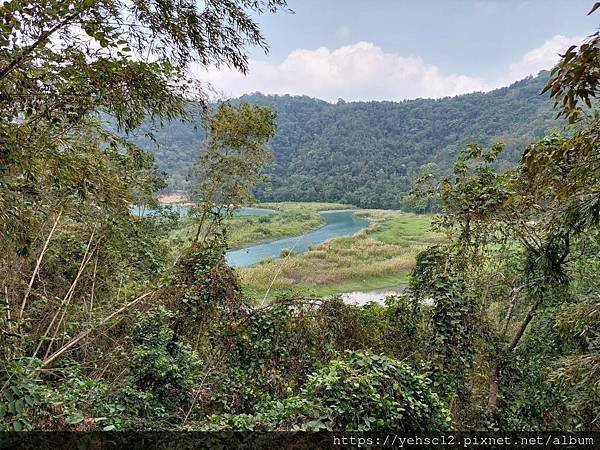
(369, 153)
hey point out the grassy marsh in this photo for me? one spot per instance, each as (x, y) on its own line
(379, 257)
(289, 219)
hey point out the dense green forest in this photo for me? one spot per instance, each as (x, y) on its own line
(105, 324)
(369, 154)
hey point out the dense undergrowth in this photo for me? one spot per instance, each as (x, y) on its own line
(101, 329)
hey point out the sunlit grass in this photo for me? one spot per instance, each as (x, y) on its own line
(289, 219)
(379, 257)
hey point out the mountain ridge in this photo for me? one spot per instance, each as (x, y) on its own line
(369, 153)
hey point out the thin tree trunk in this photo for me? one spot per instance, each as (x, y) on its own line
(49, 359)
(209, 229)
(509, 313)
(91, 307)
(521, 330)
(494, 383)
(494, 387)
(200, 225)
(37, 266)
(67, 296)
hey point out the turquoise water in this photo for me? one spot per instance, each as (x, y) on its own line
(338, 223)
(249, 211)
(183, 211)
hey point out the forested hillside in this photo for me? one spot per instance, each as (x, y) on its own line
(369, 153)
(135, 323)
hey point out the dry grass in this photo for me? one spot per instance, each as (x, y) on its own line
(384, 253)
(289, 219)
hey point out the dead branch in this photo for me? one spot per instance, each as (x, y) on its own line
(49, 359)
(37, 266)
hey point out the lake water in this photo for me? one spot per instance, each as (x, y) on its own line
(337, 223)
(362, 298)
(377, 296)
(182, 210)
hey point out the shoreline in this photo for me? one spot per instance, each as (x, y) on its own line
(270, 240)
(370, 222)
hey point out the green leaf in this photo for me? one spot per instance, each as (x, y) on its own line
(8, 394)
(19, 406)
(17, 425)
(74, 418)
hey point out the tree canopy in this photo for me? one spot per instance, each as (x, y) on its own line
(370, 153)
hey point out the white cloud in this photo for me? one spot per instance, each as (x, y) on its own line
(364, 71)
(540, 58)
(342, 32)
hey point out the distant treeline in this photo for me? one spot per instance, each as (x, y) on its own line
(370, 153)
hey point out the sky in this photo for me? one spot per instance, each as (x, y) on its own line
(405, 49)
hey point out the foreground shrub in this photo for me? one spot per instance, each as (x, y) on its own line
(358, 392)
(162, 373)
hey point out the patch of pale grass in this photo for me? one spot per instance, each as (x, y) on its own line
(335, 261)
(386, 249)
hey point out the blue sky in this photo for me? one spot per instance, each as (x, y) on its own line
(398, 49)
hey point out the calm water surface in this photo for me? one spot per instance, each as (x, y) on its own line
(182, 210)
(362, 298)
(337, 223)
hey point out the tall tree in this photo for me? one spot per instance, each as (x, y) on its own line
(232, 160)
(71, 256)
(519, 234)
